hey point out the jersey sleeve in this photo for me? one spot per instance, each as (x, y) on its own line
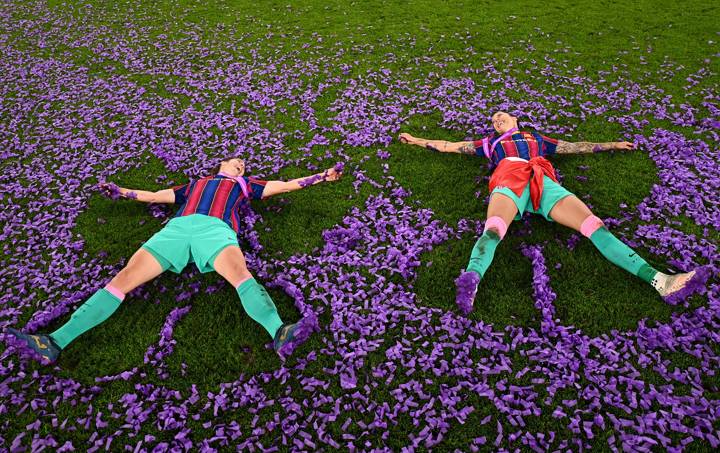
(181, 193)
(478, 144)
(549, 145)
(256, 187)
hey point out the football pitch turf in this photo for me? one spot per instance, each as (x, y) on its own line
(563, 350)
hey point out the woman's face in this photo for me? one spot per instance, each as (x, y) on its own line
(233, 167)
(503, 122)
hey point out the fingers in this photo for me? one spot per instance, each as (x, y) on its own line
(110, 190)
(104, 187)
(333, 174)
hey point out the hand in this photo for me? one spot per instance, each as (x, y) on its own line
(332, 174)
(110, 190)
(406, 138)
(624, 145)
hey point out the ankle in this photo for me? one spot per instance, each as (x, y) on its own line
(659, 281)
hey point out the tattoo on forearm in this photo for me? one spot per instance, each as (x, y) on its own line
(582, 147)
(431, 147)
(467, 148)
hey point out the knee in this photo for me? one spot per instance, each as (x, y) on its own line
(590, 225)
(123, 278)
(243, 272)
(239, 274)
(236, 266)
(497, 225)
(240, 278)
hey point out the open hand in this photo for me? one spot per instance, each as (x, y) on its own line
(624, 145)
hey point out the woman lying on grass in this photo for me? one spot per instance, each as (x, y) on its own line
(523, 180)
(204, 230)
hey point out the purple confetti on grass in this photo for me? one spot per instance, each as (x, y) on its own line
(362, 278)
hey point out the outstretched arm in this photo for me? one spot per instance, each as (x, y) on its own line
(588, 147)
(441, 146)
(278, 187)
(160, 196)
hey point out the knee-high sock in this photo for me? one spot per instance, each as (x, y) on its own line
(483, 252)
(259, 306)
(95, 310)
(621, 255)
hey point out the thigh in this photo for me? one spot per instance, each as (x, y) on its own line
(552, 194)
(502, 206)
(141, 268)
(230, 264)
(570, 212)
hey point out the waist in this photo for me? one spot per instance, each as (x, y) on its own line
(199, 220)
(517, 173)
(516, 159)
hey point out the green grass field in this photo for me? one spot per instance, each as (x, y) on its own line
(216, 342)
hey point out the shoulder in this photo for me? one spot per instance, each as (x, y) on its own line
(539, 134)
(254, 180)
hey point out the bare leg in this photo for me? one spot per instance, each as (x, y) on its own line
(502, 206)
(231, 265)
(141, 268)
(570, 212)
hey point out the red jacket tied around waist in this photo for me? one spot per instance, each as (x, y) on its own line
(515, 176)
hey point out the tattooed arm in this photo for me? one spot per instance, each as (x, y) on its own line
(440, 146)
(587, 147)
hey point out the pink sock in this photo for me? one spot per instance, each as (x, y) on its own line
(498, 224)
(591, 225)
(115, 292)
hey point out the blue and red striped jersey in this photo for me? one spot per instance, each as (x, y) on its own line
(217, 196)
(523, 144)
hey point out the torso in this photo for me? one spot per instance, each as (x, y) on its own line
(523, 145)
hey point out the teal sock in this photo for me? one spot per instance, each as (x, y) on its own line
(483, 252)
(621, 255)
(95, 310)
(259, 306)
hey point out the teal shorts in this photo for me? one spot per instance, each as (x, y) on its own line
(552, 193)
(195, 238)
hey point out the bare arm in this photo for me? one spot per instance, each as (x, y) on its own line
(160, 196)
(588, 147)
(441, 146)
(278, 187)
